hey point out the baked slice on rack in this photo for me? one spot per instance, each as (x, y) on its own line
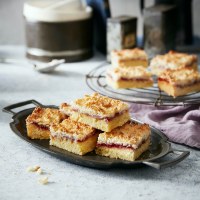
(129, 77)
(39, 122)
(98, 111)
(127, 142)
(73, 136)
(179, 82)
(129, 58)
(173, 60)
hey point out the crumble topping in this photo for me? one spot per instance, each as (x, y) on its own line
(182, 76)
(129, 135)
(71, 129)
(65, 108)
(138, 72)
(173, 60)
(98, 105)
(135, 53)
(45, 116)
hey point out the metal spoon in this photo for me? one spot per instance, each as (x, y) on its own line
(48, 67)
(38, 66)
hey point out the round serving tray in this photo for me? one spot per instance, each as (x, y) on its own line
(159, 147)
(95, 79)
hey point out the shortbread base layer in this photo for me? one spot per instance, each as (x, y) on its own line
(158, 71)
(79, 148)
(131, 63)
(35, 132)
(177, 91)
(122, 153)
(128, 84)
(101, 124)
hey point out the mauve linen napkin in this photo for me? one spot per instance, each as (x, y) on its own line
(181, 124)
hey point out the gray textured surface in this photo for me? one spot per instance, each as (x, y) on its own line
(68, 181)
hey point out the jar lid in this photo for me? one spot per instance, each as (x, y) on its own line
(56, 11)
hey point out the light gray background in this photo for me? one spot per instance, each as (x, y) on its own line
(11, 18)
(68, 181)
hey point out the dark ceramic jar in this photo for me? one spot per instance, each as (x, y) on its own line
(57, 33)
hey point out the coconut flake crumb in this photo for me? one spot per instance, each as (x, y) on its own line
(43, 180)
(39, 171)
(33, 169)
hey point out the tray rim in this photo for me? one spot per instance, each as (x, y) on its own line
(75, 159)
(163, 141)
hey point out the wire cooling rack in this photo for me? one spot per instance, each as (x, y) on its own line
(95, 79)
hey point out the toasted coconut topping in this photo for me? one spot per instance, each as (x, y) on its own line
(173, 60)
(65, 108)
(45, 116)
(135, 53)
(180, 76)
(129, 73)
(71, 129)
(130, 134)
(99, 105)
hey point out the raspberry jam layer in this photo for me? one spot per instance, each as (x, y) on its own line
(129, 79)
(65, 137)
(163, 80)
(133, 79)
(119, 146)
(181, 85)
(41, 126)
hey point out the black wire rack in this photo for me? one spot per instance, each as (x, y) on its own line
(95, 79)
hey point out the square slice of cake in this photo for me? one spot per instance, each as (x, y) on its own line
(172, 60)
(129, 58)
(179, 82)
(40, 120)
(137, 77)
(73, 136)
(98, 111)
(127, 142)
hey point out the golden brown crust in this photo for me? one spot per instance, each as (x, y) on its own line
(183, 76)
(45, 116)
(99, 105)
(64, 105)
(65, 108)
(71, 128)
(179, 59)
(173, 60)
(135, 53)
(130, 134)
(35, 131)
(77, 147)
(129, 83)
(129, 73)
(179, 82)
(123, 153)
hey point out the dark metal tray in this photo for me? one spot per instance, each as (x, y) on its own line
(159, 147)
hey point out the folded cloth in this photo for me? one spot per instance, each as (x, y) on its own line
(181, 124)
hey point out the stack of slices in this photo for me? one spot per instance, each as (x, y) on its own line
(177, 72)
(129, 69)
(93, 122)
